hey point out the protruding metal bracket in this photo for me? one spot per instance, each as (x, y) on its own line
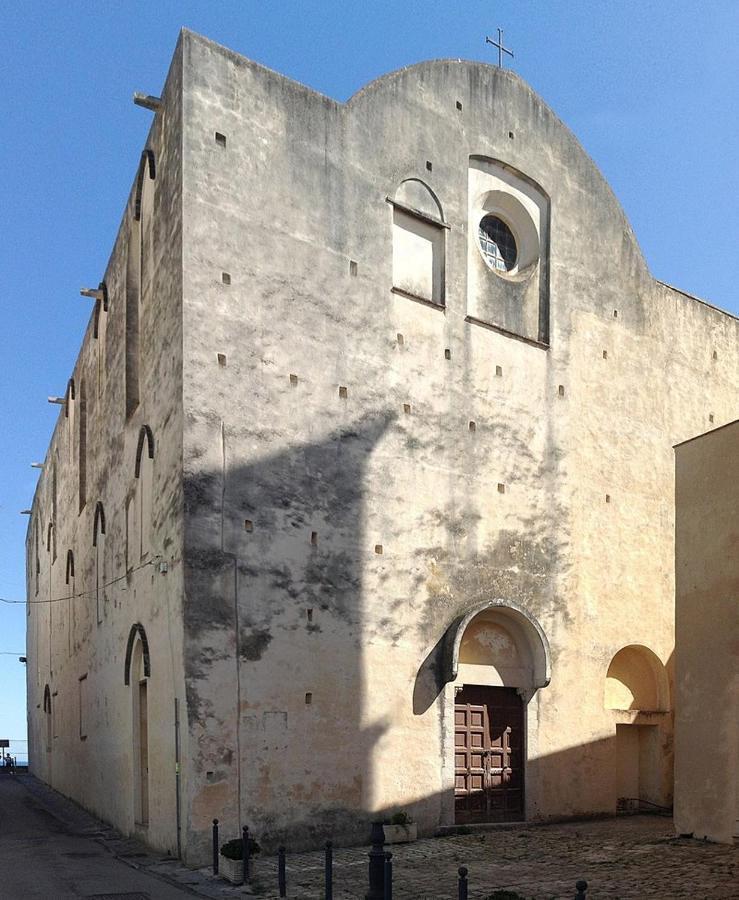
(147, 101)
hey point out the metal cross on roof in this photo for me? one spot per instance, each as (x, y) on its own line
(499, 45)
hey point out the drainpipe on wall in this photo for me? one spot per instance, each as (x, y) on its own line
(177, 773)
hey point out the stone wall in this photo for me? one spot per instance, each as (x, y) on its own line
(361, 468)
(77, 645)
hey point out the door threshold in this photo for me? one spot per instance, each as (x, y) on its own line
(475, 827)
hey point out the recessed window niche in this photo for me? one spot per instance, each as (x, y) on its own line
(418, 243)
(508, 250)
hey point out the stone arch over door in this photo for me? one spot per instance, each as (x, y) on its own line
(502, 634)
(496, 657)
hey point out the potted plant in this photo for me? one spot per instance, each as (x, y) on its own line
(401, 829)
(231, 864)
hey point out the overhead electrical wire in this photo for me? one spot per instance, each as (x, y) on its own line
(83, 593)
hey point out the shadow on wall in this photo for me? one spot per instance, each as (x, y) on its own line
(275, 630)
(285, 590)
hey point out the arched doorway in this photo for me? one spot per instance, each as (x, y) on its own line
(497, 657)
(637, 691)
(137, 676)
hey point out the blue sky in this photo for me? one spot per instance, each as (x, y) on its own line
(651, 89)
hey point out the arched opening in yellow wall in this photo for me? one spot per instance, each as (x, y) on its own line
(636, 680)
(637, 690)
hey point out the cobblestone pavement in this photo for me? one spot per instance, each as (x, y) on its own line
(633, 856)
(623, 857)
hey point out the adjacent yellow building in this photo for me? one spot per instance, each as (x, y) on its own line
(707, 635)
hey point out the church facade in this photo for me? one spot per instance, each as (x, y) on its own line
(362, 496)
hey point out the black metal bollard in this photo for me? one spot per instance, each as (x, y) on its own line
(246, 851)
(215, 846)
(581, 887)
(376, 863)
(329, 873)
(281, 872)
(388, 876)
(462, 884)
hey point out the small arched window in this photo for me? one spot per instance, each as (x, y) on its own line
(144, 473)
(54, 508)
(71, 602)
(37, 564)
(98, 543)
(51, 541)
(69, 576)
(69, 397)
(70, 404)
(49, 731)
(82, 448)
(418, 243)
(100, 331)
(135, 275)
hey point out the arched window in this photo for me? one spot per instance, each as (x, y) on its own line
(37, 563)
(98, 543)
(69, 398)
(82, 448)
(136, 674)
(69, 581)
(52, 614)
(53, 522)
(69, 413)
(49, 731)
(134, 276)
(418, 243)
(100, 331)
(144, 473)
(143, 211)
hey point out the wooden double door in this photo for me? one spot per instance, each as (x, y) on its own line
(488, 755)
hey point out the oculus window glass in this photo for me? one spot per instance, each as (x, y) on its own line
(497, 243)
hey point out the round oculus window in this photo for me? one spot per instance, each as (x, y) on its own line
(497, 244)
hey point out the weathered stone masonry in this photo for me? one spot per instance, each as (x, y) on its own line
(381, 469)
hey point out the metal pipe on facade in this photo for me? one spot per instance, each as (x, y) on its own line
(329, 872)
(215, 846)
(281, 872)
(245, 854)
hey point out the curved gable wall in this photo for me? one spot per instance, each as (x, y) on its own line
(459, 464)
